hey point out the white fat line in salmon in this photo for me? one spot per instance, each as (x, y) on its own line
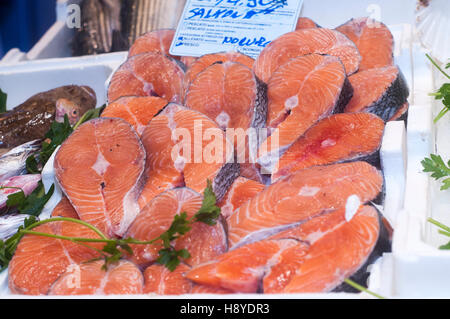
(210, 146)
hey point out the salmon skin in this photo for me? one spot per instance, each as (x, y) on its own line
(383, 91)
(230, 94)
(176, 154)
(306, 23)
(301, 92)
(99, 168)
(337, 138)
(204, 242)
(205, 61)
(301, 259)
(148, 74)
(373, 39)
(120, 278)
(138, 111)
(241, 190)
(303, 42)
(300, 196)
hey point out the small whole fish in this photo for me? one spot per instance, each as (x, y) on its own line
(13, 163)
(26, 183)
(32, 119)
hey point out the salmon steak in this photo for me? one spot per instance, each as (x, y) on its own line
(301, 259)
(161, 281)
(64, 209)
(138, 111)
(337, 138)
(186, 148)
(341, 245)
(39, 261)
(383, 91)
(301, 92)
(373, 40)
(100, 169)
(242, 269)
(148, 74)
(121, 278)
(205, 61)
(203, 242)
(231, 95)
(301, 196)
(158, 41)
(241, 190)
(303, 42)
(306, 23)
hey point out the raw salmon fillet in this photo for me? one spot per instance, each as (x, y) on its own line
(188, 61)
(231, 95)
(155, 41)
(381, 91)
(39, 261)
(159, 280)
(148, 74)
(303, 42)
(207, 60)
(301, 196)
(300, 93)
(177, 142)
(241, 190)
(121, 278)
(99, 168)
(338, 138)
(202, 289)
(242, 269)
(138, 111)
(64, 209)
(203, 242)
(306, 23)
(338, 249)
(373, 39)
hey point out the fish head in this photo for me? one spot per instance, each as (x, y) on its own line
(69, 108)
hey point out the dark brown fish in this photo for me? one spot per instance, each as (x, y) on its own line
(32, 119)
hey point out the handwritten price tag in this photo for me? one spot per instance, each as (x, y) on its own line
(248, 26)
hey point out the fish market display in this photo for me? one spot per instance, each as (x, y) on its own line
(382, 91)
(13, 162)
(101, 175)
(32, 119)
(148, 74)
(158, 183)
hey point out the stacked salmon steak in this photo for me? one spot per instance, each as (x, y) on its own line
(290, 142)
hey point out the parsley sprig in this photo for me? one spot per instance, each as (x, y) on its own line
(114, 249)
(443, 93)
(436, 165)
(444, 230)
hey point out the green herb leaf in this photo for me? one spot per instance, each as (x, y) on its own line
(435, 165)
(170, 257)
(32, 165)
(445, 247)
(179, 227)
(89, 115)
(32, 204)
(3, 98)
(209, 212)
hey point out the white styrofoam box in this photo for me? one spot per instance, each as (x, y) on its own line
(24, 79)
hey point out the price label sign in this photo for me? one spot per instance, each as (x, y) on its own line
(247, 26)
